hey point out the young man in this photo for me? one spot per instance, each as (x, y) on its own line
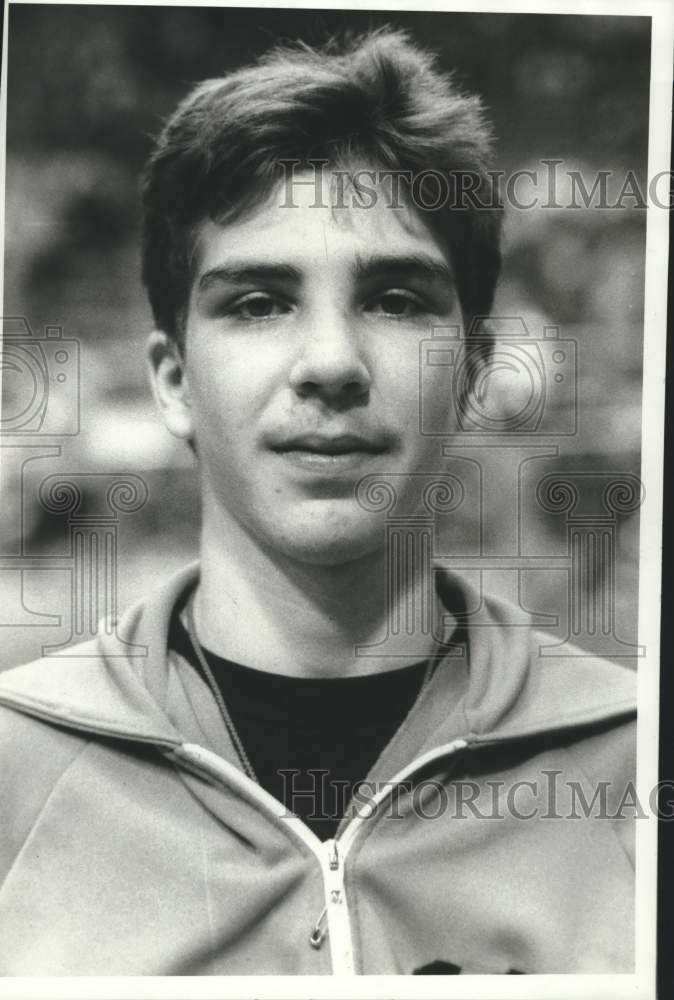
(199, 810)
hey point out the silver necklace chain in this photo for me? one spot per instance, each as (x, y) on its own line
(217, 693)
(220, 701)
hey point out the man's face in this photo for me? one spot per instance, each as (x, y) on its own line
(302, 368)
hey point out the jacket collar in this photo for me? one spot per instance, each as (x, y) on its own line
(498, 687)
(96, 687)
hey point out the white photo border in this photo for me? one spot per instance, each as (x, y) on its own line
(641, 984)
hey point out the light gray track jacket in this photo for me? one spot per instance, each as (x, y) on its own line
(132, 843)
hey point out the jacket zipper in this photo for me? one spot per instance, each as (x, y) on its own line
(333, 921)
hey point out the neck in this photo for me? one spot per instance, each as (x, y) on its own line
(275, 614)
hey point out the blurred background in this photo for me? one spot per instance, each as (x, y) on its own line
(88, 88)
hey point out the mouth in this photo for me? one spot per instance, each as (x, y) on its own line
(332, 453)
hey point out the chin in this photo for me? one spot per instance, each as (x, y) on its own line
(320, 543)
(329, 555)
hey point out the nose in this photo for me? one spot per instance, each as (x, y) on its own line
(331, 365)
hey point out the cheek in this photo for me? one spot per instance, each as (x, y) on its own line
(401, 388)
(438, 399)
(232, 387)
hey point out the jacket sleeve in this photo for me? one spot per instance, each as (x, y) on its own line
(33, 757)
(608, 760)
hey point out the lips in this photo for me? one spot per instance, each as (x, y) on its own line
(330, 454)
(322, 444)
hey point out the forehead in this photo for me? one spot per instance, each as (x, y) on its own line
(321, 223)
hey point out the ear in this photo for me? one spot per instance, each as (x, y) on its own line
(169, 384)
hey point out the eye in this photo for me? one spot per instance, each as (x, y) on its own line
(258, 306)
(396, 303)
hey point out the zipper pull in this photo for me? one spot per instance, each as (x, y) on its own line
(320, 929)
(319, 933)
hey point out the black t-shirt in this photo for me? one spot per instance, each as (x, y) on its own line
(310, 741)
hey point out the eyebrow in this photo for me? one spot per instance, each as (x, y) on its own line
(247, 273)
(418, 265)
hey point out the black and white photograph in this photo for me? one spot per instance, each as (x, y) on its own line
(331, 444)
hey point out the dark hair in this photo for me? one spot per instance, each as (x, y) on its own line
(376, 99)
